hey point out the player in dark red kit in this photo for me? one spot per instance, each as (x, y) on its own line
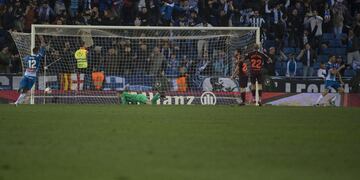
(257, 59)
(241, 71)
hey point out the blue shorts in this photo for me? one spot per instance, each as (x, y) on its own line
(27, 82)
(332, 84)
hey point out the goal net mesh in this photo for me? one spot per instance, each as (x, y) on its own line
(181, 63)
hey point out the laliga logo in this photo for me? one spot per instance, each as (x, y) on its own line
(208, 98)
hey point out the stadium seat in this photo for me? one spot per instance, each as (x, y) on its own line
(323, 58)
(269, 43)
(349, 73)
(282, 70)
(336, 44)
(328, 36)
(299, 69)
(289, 50)
(278, 67)
(340, 51)
(327, 51)
(316, 65)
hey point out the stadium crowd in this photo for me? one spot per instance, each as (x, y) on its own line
(298, 35)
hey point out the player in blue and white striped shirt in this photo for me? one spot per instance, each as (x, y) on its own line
(332, 72)
(31, 65)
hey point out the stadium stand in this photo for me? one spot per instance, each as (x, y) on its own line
(286, 24)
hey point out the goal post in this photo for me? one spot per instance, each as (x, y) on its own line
(181, 62)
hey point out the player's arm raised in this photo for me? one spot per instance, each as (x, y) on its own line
(341, 67)
(236, 71)
(42, 46)
(340, 77)
(268, 59)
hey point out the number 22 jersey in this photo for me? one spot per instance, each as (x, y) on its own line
(256, 59)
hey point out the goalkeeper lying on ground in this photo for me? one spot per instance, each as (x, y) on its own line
(127, 98)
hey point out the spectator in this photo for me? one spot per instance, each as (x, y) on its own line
(156, 61)
(173, 65)
(276, 17)
(352, 46)
(142, 57)
(53, 58)
(314, 21)
(291, 66)
(127, 58)
(98, 60)
(308, 58)
(167, 10)
(204, 66)
(166, 50)
(295, 28)
(5, 60)
(270, 66)
(224, 15)
(113, 63)
(95, 18)
(74, 5)
(356, 25)
(194, 19)
(129, 11)
(45, 13)
(154, 12)
(66, 52)
(3, 36)
(203, 44)
(19, 12)
(245, 17)
(256, 20)
(327, 19)
(219, 64)
(15, 66)
(109, 18)
(341, 63)
(234, 13)
(59, 7)
(8, 18)
(278, 25)
(29, 17)
(321, 73)
(143, 17)
(338, 11)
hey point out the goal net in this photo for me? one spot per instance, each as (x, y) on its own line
(189, 65)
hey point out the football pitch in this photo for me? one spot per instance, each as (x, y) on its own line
(113, 142)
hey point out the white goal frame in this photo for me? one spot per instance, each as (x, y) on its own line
(35, 26)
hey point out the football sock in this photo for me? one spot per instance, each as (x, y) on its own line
(21, 98)
(155, 98)
(333, 99)
(243, 97)
(319, 99)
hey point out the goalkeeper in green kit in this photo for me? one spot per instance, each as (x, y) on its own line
(127, 98)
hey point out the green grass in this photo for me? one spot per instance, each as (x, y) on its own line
(85, 142)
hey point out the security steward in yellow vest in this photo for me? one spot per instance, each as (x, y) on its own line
(81, 59)
(81, 56)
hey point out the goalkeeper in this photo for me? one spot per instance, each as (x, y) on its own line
(127, 98)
